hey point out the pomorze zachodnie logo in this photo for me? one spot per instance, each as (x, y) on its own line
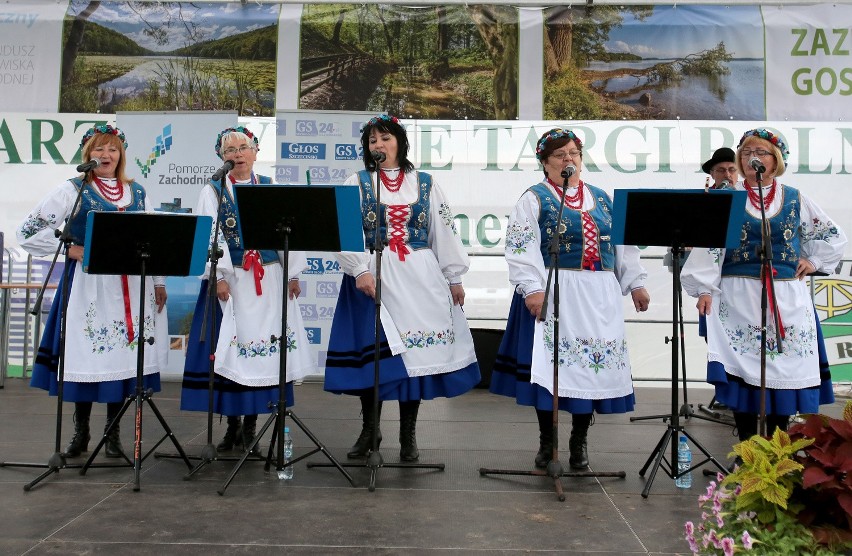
(162, 145)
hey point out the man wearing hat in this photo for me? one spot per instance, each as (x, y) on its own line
(722, 169)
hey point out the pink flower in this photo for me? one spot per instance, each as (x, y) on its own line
(693, 546)
(690, 528)
(720, 521)
(747, 540)
(728, 546)
(712, 538)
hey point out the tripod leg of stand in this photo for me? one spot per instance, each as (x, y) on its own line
(269, 422)
(56, 462)
(708, 456)
(660, 451)
(168, 431)
(89, 462)
(320, 446)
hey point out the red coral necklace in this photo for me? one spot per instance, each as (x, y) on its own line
(754, 196)
(112, 193)
(392, 184)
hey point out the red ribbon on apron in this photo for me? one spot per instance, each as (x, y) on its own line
(128, 317)
(252, 259)
(771, 298)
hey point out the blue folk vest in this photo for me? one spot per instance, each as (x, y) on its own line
(230, 222)
(91, 200)
(418, 220)
(784, 228)
(571, 245)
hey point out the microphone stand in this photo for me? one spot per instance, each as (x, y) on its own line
(209, 452)
(767, 288)
(374, 459)
(57, 461)
(554, 468)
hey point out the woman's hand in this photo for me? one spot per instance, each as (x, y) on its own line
(366, 284)
(457, 292)
(641, 299)
(160, 297)
(705, 301)
(534, 301)
(223, 290)
(76, 252)
(293, 288)
(804, 268)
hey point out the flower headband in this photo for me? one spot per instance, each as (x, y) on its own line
(376, 119)
(556, 133)
(239, 129)
(104, 128)
(768, 136)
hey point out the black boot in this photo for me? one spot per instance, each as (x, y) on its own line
(746, 425)
(249, 430)
(364, 444)
(80, 441)
(407, 435)
(578, 455)
(545, 438)
(113, 448)
(232, 434)
(776, 422)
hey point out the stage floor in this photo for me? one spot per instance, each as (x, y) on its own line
(412, 511)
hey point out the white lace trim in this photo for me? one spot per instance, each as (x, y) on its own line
(806, 382)
(443, 369)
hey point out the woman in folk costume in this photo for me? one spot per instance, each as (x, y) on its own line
(594, 366)
(249, 285)
(728, 287)
(102, 330)
(426, 345)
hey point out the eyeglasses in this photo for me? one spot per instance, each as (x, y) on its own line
(234, 150)
(564, 155)
(721, 171)
(756, 152)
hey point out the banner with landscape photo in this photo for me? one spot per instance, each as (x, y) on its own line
(144, 56)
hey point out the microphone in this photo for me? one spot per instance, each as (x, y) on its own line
(725, 184)
(378, 156)
(569, 171)
(756, 165)
(89, 166)
(226, 167)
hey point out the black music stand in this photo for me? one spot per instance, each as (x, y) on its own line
(676, 219)
(142, 244)
(280, 220)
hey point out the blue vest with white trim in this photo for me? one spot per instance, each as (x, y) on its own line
(784, 227)
(92, 200)
(230, 224)
(572, 241)
(418, 219)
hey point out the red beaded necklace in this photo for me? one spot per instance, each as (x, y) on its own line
(574, 201)
(112, 193)
(392, 184)
(754, 196)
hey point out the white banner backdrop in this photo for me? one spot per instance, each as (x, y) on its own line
(808, 62)
(30, 44)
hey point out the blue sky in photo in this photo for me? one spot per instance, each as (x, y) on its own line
(213, 20)
(673, 31)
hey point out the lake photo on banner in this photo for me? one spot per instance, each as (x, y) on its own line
(738, 95)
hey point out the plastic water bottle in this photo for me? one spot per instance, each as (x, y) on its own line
(286, 474)
(684, 462)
